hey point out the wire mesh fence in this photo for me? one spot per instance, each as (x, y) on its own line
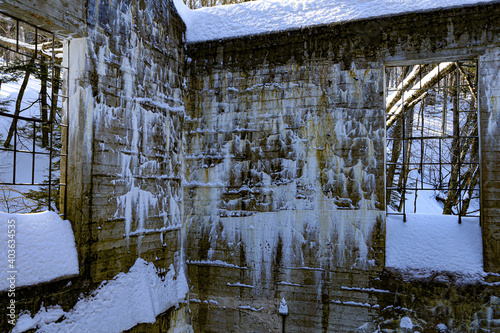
(32, 102)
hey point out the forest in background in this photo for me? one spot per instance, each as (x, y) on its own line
(30, 115)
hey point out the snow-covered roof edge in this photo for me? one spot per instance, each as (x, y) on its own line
(263, 17)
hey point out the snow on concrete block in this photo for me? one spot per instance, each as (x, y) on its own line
(406, 324)
(42, 249)
(138, 296)
(43, 317)
(283, 310)
(434, 243)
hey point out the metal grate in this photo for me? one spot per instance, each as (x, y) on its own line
(432, 138)
(31, 110)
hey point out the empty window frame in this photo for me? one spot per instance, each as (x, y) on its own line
(432, 139)
(31, 104)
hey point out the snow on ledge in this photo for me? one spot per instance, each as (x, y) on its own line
(138, 296)
(44, 249)
(434, 243)
(263, 16)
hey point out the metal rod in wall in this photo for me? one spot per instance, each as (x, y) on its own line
(15, 153)
(66, 115)
(33, 154)
(456, 123)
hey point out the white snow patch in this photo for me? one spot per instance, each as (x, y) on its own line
(432, 242)
(352, 303)
(425, 203)
(44, 247)
(217, 263)
(120, 304)
(283, 310)
(284, 283)
(406, 323)
(373, 290)
(248, 307)
(262, 16)
(442, 327)
(43, 317)
(239, 284)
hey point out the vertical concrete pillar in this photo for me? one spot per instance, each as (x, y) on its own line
(79, 115)
(489, 106)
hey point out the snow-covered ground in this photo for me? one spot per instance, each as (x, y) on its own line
(44, 249)
(117, 305)
(434, 243)
(261, 16)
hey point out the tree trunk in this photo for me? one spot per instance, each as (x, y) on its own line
(471, 145)
(13, 125)
(56, 84)
(453, 192)
(470, 183)
(422, 153)
(396, 152)
(43, 102)
(405, 170)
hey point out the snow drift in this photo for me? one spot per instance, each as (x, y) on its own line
(138, 296)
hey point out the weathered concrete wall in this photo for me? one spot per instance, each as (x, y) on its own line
(285, 169)
(432, 303)
(171, 321)
(62, 17)
(125, 116)
(282, 178)
(131, 117)
(489, 85)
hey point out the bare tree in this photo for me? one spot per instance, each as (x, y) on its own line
(28, 71)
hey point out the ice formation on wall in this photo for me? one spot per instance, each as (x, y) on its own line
(491, 82)
(140, 137)
(278, 176)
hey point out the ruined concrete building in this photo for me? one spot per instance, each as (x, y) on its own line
(258, 163)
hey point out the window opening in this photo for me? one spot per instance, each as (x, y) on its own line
(31, 110)
(432, 139)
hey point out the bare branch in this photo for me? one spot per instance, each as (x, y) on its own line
(419, 88)
(404, 85)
